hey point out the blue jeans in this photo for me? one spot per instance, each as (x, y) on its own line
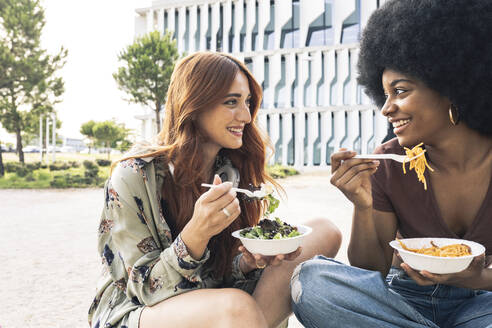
(327, 293)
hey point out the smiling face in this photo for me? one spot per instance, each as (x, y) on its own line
(417, 113)
(223, 124)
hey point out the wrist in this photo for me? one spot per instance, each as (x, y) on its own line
(484, 280)
(244, 267)
(194, 241)
(363, 209)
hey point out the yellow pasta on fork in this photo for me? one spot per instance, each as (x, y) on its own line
(418, 164)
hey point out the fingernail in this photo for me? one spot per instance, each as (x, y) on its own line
(375, 162)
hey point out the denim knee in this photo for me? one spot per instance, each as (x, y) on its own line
(309, 276)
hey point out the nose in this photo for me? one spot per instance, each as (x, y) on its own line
(389, 107)
(243, 114)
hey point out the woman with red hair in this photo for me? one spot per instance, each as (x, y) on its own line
(168, 255)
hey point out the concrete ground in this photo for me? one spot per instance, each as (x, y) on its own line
(48, 246)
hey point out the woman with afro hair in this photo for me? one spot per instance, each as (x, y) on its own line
(428, 65)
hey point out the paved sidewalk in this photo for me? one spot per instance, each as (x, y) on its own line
(48, 246)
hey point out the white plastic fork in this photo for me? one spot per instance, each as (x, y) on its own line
(249, 193)
(395, 157)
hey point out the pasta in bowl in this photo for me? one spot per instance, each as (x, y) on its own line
(437, 255)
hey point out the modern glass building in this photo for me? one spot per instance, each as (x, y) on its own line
(302, 52)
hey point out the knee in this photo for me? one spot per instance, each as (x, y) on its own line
(327, 236)
(240, 307)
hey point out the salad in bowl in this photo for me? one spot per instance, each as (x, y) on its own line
(272, 236)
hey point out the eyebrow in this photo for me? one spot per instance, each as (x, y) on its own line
(394, 82)
(237, 95)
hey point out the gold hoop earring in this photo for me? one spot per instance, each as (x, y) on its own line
(452, 115)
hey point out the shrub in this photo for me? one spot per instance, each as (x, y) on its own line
(59, 166)
(12, 166)
(278, 171)
(74, 164)
(68, 180)
(22, 171)
(30, 177)
(103, 162)
(89, 165)
(59, 181)
(42, 175)
(33, 166)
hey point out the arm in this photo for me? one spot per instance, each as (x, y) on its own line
(371, 229)
(147, 270)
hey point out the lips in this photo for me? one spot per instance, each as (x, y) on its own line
(400, 123)
(235, 130)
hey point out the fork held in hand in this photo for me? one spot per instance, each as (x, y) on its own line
(395, 157)
(247, 192)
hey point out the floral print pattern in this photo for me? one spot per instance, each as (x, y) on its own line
(142, 265)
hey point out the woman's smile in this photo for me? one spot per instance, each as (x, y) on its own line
(399, 125)
(236, 131)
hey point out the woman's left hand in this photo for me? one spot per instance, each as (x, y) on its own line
(465, 278)
(249, 261)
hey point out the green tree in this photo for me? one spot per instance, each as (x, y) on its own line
(29, 86)
(87, 129)
(146, 72)
(109, 133)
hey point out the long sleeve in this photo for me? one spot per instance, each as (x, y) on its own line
(238, 279)
(148, 268)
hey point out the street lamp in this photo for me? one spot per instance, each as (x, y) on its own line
(47, 136)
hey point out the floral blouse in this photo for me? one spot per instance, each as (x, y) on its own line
(142, 265)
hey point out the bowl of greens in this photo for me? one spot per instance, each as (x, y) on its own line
(272, 236)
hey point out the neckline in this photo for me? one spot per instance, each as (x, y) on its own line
(443, 223)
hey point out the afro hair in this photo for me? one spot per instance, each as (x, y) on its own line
(446, 44)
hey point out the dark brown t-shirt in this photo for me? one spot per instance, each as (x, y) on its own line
(416, 208)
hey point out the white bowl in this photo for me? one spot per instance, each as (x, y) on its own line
(436, 264)
(271, 247)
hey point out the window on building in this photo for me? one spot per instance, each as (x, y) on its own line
(290, 31)
(218, 39)
(249, 64)
(198, 29)
(242, 35)
(351, 26)
(186, 36)
(254, 34)
(268, 41)
(165, 21)
(266, 84)
(321, 30)
(279, 97)
(176, 25)
(231, 31)
(208, 44)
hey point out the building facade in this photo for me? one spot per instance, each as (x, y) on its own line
(304, 55)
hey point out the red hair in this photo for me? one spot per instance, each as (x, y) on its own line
(199, 82)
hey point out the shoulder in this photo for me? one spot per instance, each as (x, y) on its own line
(133, 173)
(390, 147)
